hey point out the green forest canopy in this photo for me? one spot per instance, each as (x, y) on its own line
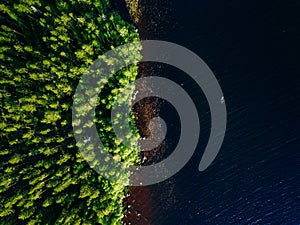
(46, 46)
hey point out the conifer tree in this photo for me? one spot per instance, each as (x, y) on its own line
(46, 47)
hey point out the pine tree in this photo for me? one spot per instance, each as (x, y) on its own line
(46, 47)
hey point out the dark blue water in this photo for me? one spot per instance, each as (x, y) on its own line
(253, 49)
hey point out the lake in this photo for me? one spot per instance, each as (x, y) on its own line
(253, 49)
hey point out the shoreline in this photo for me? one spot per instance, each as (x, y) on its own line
(139, 202)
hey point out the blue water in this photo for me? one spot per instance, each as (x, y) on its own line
(253, 49)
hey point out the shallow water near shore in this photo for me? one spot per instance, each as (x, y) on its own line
(252, 49)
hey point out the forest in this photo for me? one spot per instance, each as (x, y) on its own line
(45, 48)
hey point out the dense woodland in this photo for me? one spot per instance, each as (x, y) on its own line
(45, 47)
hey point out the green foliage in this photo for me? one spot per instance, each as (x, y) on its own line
(46, 46)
